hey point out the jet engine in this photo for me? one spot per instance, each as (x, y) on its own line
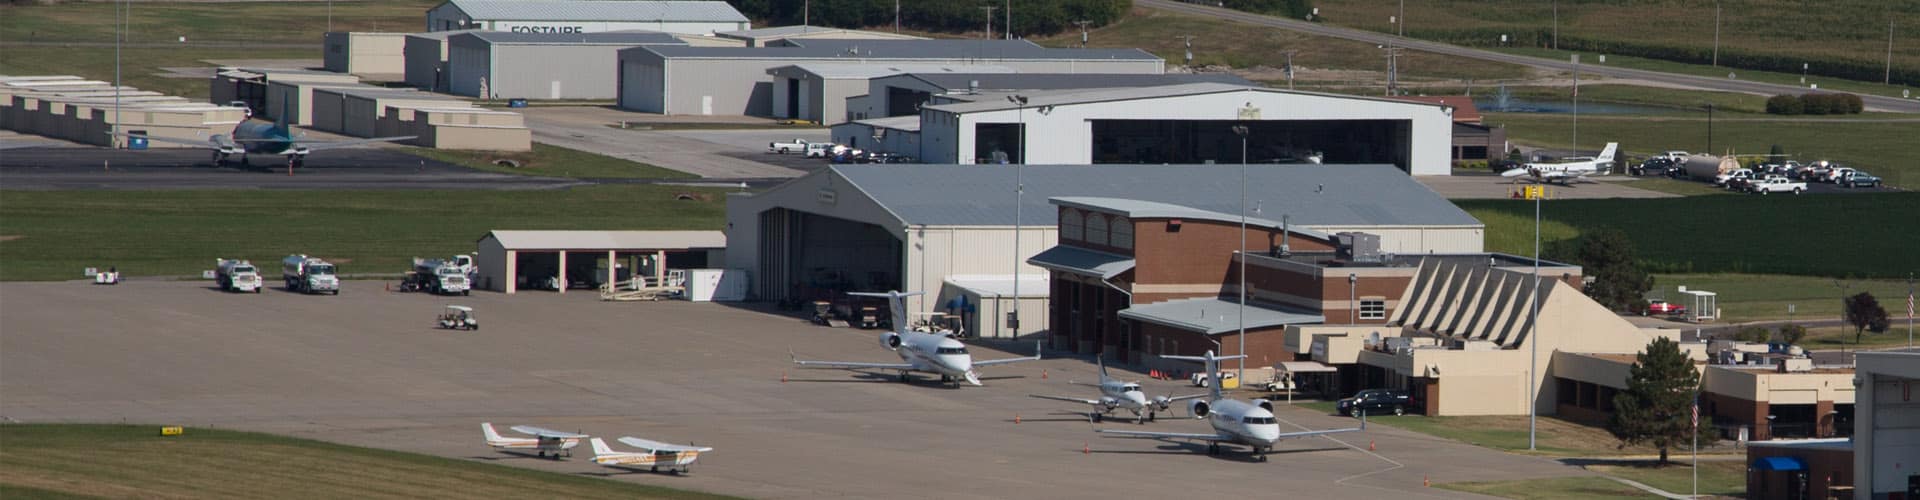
(890, 340)
(1198, 408)
(1263, 404)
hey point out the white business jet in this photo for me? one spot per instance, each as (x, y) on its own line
(1117, 394)
(1565, 171)
(926, 352)
(657, 454)
(1242, 422)
(543, 443)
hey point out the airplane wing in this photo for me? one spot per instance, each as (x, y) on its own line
(1064, 398)
(1167, 435)
(1186, 397)
(991, 362)
(316, 146)
(1301, 434)
(544, 433)
(651, 445)
(201, 143)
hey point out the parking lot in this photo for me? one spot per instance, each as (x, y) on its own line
(367, 368)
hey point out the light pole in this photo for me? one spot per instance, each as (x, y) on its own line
(1716, 34)
(1241, 130)
(1353, 303)
(1019, 188)
(989, 9)
(1843, 286)
(1533, 338)
(1009, 29)
(119, 34)
(1083, 32)
(1709, 128)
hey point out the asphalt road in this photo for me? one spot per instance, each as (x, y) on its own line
(48, 168)
(1711, 83)
(367, 368)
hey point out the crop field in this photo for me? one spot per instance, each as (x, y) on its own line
(1788, 30)
(52, 235)
(123, 461)
(1859, 235)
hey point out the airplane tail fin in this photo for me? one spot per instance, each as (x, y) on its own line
(1213, 370)
(600, 447)
(1100, 361)
(487, 429)
(281, 119)
(1606, 155)
(896, 304)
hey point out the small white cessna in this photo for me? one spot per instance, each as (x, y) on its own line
(1116, 394)
(657, 454)
(1565, 171)
(544, 441)
(1243, 422)
(927, 352)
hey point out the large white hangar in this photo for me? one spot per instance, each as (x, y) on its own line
(935, 228)
(495, 64)
(586, 16)
(1189, 123)
(734, 80)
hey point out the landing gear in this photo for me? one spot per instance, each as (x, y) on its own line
(1140, 418)
(946, 379)
(1095, 416)
(1259, 455)
(903, 377)
(1213, 448)
(1150, 416)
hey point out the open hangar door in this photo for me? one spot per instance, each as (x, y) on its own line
(1268, 141)
(806, 257)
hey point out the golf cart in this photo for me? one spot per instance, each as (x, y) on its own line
(459, 318)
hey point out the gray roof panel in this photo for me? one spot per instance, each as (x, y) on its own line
(1310, 195)
(1046, 81)
(634, 37)
(1213, 316)
(1082, 261)
(858, 50)
(599, 10)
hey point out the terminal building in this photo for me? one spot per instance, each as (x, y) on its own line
(586, 16)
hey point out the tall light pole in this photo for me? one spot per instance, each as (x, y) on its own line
(329, 16)
(1241, 130)
(989, 9)
(1083, 32)
(1019, 189)
(1716, 34)
(119, 34)
(1402, 18)
(1533, 338)
(1009, 29)
(1888, 77)
(1576, 104)
(1353, 298)
(1290, 68)
(1709, 128)
(1556, 24)
(1843, 286)
(896, 16)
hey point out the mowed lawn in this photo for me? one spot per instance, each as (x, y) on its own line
(1859, 235)
(1750, 297)
(54, 235)
(123, 461)
(1885, 148)
(140, 67)
(259, 22)
(1556, 488)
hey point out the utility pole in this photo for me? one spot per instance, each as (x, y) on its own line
(1393, 69)
(329, 16)
(1241, 130)
(1083, 32)
(1556, 24)
(1009, 13)
(1709, 128)
(1909, 310)
(1189, 41)
(1888, 78)
(1290, 68)
(896, 16)
(1402, 18)
(989, 9)
(1019, 191)
(119, 35)
(1716, 34)
(1576, 104)
(806, 13)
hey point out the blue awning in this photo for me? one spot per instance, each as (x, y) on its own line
(1779, 463)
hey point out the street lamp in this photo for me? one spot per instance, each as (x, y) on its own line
(1533, 337)
(1353, 287)
(1019, 187)
(1241, 130)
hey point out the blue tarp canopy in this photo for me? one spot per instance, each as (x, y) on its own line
(1779, 463)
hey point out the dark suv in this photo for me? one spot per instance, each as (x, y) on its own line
(1376, 401)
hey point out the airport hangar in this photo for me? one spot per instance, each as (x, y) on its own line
(734, 80)
(586, 16)
(540, 65)
(1168, 124)
(948, 230)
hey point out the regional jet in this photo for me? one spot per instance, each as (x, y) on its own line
(543, 443)
(1565, 171)
(1116, 394)
(926, 352)
(275, 139)
(657, 454)
(1242, 422)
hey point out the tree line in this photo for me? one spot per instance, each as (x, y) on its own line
(1030, 17)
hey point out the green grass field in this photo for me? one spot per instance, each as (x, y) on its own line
(1244, 46)
(140, 67)
(52, 235)
(1793, 29)
(1826, 83)
(1556, 437)
(1717, 477)
(1556, 488)
(124, 461)
(1863, 235)
(1751, 297)
(1871, 144)
(553, 161)
(162, 22)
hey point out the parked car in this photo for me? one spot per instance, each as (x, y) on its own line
(1860, 179)
(1658, 165)
(784, 147)
(1661, 307)
(1202, 380)
(1677, 157)
(1817, 171)
(1776, 184)
(1834, 176)
(1724, 180)
(1376, 401)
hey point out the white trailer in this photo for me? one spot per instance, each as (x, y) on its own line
(309, 275)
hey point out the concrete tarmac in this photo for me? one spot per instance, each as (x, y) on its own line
(368, 368)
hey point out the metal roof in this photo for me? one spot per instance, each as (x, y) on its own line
(1045, 81)
(1139, 209)
(1312, 195)
(1088, 96)
(598, 10)
(799, 29)
(902, 49)
(608, 240)
(909, 123)
(629, 37)
(1033, 286)
(1083, 261)
(1213, 316)
(835, 71)
(442, 35)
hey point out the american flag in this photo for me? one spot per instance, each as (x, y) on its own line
(1909, 301)
(1696, 414)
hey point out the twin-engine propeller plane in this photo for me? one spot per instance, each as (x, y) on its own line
(1566, 171)
(275, 139)
(925, 352)
(1118, 394)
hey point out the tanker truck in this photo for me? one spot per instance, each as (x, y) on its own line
(237, 275)
(438, 276)
(1708, 167)
(309, 275)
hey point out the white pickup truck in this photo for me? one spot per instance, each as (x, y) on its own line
(812, 149)
(1776, 184)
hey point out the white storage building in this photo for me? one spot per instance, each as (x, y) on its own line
(377, 56)
(541, 66)
(586, 16)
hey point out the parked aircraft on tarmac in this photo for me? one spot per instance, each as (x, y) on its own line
(1242, 422)
(543, 443)
(657, 454)
(927, 352)
(265, 138)
(1565, 171)
(1116, 394)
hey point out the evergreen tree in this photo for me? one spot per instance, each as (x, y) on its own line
(1656, 407)
(1608, 256)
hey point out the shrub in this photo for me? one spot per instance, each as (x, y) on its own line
(1756, 334)
(1784, 104)
(1854, 106)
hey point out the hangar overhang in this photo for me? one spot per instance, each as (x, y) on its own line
(511, 260)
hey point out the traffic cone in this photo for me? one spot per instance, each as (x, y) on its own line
(1369, 445)
(1043, 374)
(1016, 419)
(1086, 448)
(783, 376)
(1425, 481)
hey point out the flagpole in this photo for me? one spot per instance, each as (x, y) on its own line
(1909, 310)
(1696, 442)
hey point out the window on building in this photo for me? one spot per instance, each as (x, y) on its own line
(1122, 232)
(1072, 225)
(1373, 308)
(1096, 228)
